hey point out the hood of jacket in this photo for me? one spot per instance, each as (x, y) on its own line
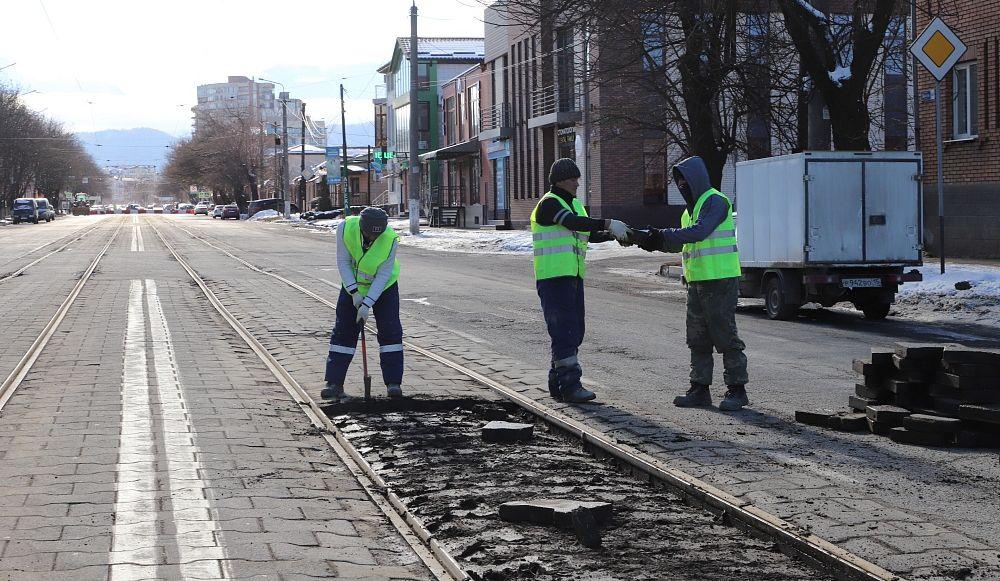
(696, 175)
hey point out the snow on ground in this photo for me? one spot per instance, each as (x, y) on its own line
(937, 299)
(471, 241)
(264, 215)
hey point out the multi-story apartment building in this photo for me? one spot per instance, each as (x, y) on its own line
(970, 130)
(438, 60)
(542, 108)
(255, 102)
(132, 183)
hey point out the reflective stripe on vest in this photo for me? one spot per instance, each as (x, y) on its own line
(717, 256)
(366, 263)
(559, 251)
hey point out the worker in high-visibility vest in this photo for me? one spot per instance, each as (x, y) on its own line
(707, 239)
(560, 232)
(369, 270)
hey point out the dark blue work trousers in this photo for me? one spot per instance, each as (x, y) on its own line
(346, 330)
(565, 318)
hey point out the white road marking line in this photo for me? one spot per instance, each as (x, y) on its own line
(134, 247)
(199, 541)
(138, 235)
(135, 502)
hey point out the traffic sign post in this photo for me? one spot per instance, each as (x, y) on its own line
(938, 48)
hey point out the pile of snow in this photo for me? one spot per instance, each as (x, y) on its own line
(936, 298)
(263, 215)
(468, 241)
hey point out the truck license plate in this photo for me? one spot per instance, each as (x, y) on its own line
(861, 282)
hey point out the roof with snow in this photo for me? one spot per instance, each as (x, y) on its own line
(446, 48)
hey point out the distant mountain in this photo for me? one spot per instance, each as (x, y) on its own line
(140, 146)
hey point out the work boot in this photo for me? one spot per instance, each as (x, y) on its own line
(554, 385)
(332, 391)
(697, 396)
(735, 399)
(579, 395)
(394, 390)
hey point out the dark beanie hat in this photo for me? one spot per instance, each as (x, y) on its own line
(563, 169)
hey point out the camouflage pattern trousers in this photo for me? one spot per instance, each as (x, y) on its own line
(711, 323)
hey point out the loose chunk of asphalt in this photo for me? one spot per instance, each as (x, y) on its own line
(557, 512)
(507, 432)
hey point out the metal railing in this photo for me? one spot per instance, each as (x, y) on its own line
(495, 117)
(550, 99)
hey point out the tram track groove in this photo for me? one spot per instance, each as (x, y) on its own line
(74, 237)
(800, 542)
(437, 559)
(23, 367)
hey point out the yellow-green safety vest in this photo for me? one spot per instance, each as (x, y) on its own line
(366, 263)
(559, 251)
(715, 257)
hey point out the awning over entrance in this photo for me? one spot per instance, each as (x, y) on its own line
(452, 151)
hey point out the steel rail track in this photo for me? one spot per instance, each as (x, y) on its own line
(74, 237)
(840, 562)
(441, 564)
(14, 379)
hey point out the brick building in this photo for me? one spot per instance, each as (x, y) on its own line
(971, 131)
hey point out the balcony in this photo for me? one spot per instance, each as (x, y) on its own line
(495, 123)
(550, 106)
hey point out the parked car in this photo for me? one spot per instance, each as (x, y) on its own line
(217, 210)
(45, 210)
(230, 211)
(24, 210)
(276, 204)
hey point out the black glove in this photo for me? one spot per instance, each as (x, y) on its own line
(653, 239)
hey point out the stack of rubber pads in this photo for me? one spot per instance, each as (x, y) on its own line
(925, 394)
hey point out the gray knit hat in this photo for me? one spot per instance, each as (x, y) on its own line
(563, 169)
(373, 222)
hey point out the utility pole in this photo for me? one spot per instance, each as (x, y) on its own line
(284, 154)
(413, 181)
(368, 172)
(345, 182)
(302, 163)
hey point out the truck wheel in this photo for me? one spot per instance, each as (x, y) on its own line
(875, 311)
(775, 303)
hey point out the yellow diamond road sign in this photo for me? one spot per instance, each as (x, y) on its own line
(938, 49)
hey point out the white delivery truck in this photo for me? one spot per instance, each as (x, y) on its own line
(828, 227)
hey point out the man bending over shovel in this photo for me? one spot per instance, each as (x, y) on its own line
(366, 259)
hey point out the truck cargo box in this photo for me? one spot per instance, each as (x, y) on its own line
(829, 208)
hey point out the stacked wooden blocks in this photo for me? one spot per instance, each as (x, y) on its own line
(926, 394)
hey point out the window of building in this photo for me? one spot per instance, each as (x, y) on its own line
(474, 112)
(654, 171)
(653, 42)
(564, 69)
(424, 125)
(423, 76)
(449, 118)
(965, 101)
(475, 173)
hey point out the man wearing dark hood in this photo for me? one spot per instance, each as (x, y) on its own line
(707, 238)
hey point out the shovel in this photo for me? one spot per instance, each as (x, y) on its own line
(364, 365)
